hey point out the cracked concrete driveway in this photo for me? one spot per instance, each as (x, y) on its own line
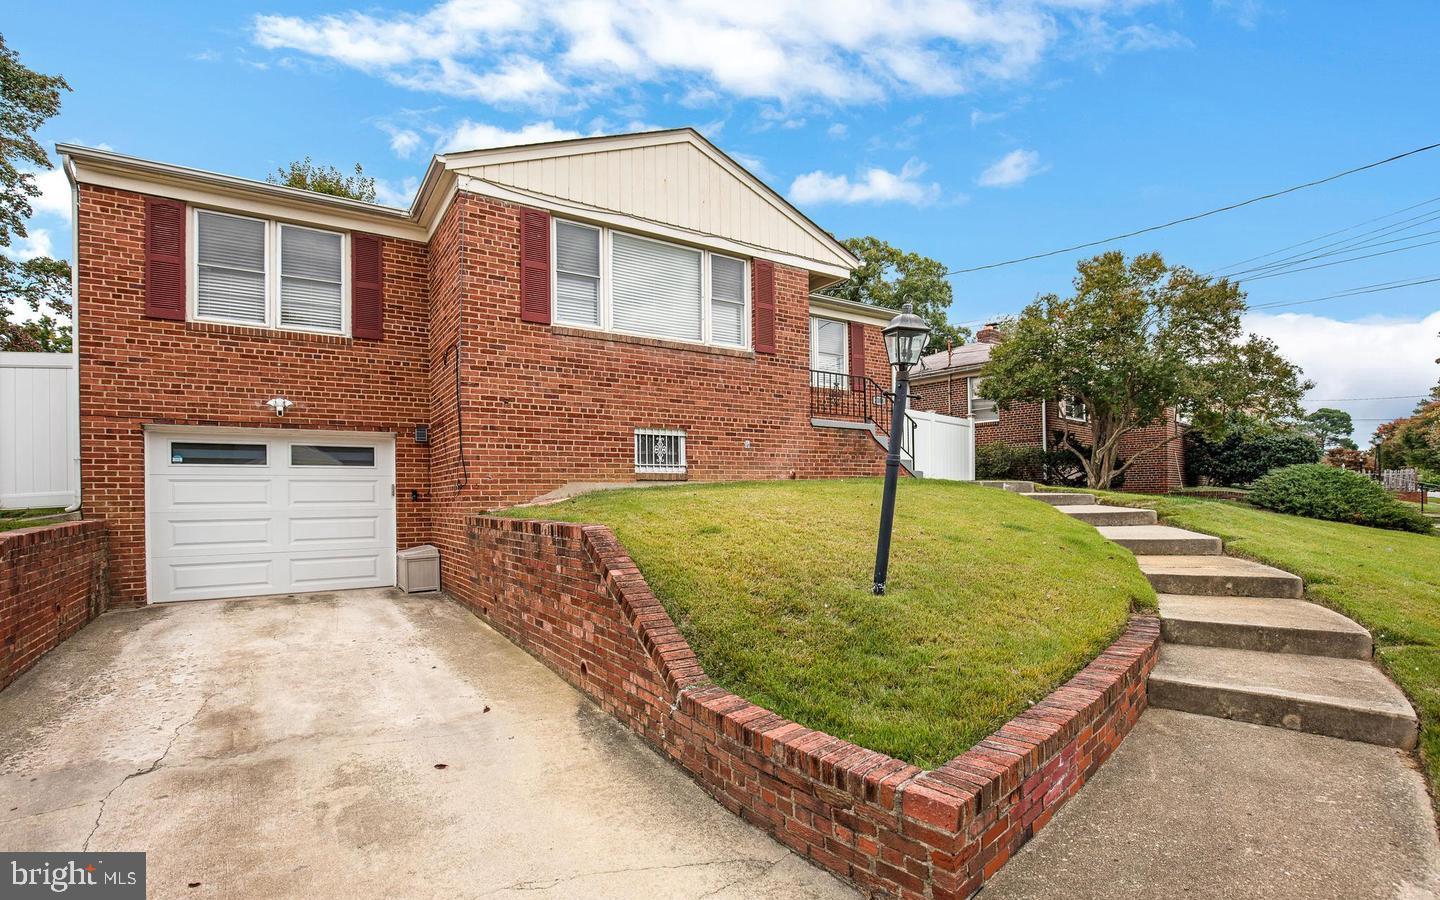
(358, 744)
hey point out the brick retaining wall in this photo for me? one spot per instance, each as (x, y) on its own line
(571, 596)
(53, 580)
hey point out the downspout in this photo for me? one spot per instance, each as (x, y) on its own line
(68, 165)
(1045, 438)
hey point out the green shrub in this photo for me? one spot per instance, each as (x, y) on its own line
(1244, 455)
(999, 460)
(1325, 492)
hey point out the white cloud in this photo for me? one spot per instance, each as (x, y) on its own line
(1015, 167)
(389, 193)
(1344, 361)
(980, 117)
(54, 199)
(468, 135)
(838, 130)
(404, 142)
(38, 243)
(781, 49)
(1246, 13)
(874, 185)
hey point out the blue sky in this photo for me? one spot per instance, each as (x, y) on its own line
(972, 132)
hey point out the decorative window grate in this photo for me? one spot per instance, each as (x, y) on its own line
(659, 451)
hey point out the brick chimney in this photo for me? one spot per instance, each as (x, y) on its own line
(990, 334)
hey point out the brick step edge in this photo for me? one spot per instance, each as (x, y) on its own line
(571, 596)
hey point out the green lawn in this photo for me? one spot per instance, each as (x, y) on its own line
(994, 600)
(11, 519)
(1388, 581)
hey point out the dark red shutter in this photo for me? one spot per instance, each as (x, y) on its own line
(535, 266)
(164, 259)
(857, 356)
(762, 301)
(367, 286)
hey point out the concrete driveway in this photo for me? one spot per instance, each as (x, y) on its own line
(358, 744)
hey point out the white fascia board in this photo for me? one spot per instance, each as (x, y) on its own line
(224, 192)
(582, 213)
(850, 311)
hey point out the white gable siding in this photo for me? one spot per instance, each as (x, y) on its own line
(675, 184)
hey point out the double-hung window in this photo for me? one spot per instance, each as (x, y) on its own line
(981, 410)
(829, 353)
(626, 283)
(269, 274)
(1073, 409)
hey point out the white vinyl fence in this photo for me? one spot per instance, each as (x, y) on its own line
(39, 430)
(944, 446)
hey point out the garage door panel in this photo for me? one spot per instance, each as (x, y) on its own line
(234, 531)
(212, 535)
(228, 573)
(182, 491)
(358, 529)
(333, 570)
(335, 491)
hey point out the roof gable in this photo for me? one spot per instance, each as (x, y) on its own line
(669, 178)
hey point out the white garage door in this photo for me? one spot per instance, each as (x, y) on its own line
(245, 513)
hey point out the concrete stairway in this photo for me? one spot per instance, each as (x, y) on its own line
(1240, 642)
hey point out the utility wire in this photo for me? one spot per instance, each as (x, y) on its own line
(1233, 206)
(1363, 241)
(1341, 261)
(1322, 237)
(1359, 399)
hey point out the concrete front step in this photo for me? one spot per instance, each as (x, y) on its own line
(1161, 540)
(1269, 624)
(1342, 698)
(1016, 487)
(1055, 498)
(1109, 515)
(1218, 576)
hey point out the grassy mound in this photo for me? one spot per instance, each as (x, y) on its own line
(994, 600)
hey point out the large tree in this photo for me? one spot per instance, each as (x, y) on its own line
(1136, 339)
(891, 277)
(41, 284)
(1328, 426)
(307, 176)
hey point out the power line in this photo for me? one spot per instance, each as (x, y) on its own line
(1359, 399)
(1342, 261)
(1363, 241)
(1192, 218)
(1324, 236)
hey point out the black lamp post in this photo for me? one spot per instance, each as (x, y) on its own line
(905, 338)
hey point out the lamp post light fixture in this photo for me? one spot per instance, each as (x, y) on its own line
(905, 339)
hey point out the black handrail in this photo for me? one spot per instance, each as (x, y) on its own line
(835, 395)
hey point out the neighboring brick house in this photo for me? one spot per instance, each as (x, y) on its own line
(279, 388)
(946, 383)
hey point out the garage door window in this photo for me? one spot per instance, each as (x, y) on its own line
(317, 455)
(190, 454)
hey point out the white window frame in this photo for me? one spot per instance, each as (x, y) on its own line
(844, 344)
(971, 383)
(1067, 410)
(680, 468)
(272, 274)
(607, 317)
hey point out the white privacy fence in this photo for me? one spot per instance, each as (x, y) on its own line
(39, 430)
(944, 446)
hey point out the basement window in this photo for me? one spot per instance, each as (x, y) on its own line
(659, 451)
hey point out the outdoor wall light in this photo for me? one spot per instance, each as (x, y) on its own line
(279, 404)
(905, 339)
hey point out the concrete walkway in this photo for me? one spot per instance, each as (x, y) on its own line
(1204, 799)
(356, 745)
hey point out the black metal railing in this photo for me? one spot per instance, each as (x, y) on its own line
(857, 398)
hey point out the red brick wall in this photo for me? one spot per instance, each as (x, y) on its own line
(1158, 471)
(136, 371)
(544, 405)
(53, 580)
(571, 596)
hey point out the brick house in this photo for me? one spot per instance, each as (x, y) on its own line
(280, 388)
(946, 382)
